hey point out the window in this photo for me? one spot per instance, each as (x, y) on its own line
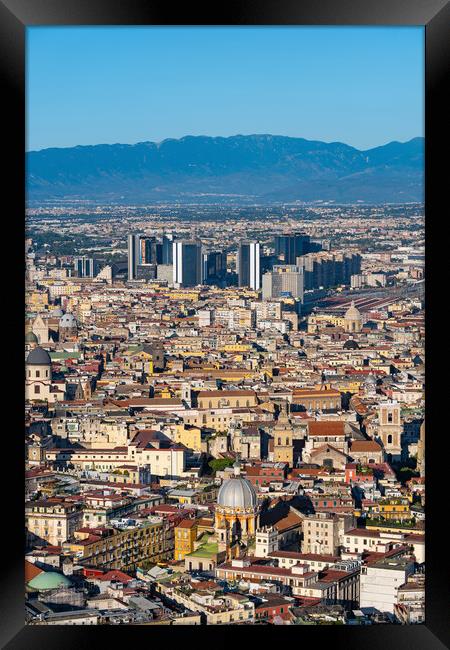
(37, 389)
(389, 417)
(38, 373)
(389, 439)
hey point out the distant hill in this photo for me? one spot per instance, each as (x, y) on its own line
(237, 169)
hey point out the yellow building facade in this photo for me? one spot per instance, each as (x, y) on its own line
(185, 537)
(226, 398)
(189, 436)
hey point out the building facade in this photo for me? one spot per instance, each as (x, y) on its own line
(187, 263)
(249, 265)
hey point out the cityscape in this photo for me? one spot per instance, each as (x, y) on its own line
(225, 418)
(224, 326)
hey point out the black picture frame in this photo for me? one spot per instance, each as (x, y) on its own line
(15, 16)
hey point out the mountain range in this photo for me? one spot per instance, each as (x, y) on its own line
(238, 169)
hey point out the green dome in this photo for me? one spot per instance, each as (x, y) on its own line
(49, 580)
(30, 337)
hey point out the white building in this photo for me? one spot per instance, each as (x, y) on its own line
(266, 541)
(283, 279)
(163, 462)
(379, 583)
(359, 540)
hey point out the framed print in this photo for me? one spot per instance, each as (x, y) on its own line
(231, 222)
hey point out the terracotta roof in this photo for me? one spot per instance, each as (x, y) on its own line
(31, 571)
(187, 523)
(287, 554)
(365, 445)
(115, 575)
(362, 532)
(289, 521)
(331, 575)
(204, 521)
(326, 428)
(325, 448)
(262, 569)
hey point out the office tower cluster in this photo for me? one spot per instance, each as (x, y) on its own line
(290, 246)
(85, 267)
(151, 251)
(297, 265)
(146, 253)
(214, 266)
(180, 262)
(325, 269)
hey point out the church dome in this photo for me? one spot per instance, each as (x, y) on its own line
(49, 580)
(237, 492)
(353, 312)
(351, 344)
(68, 320)
(39, 357)
(56, 313)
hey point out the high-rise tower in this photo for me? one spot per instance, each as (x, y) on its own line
(167, 249)
(249, 265)
(134, 255)
(289, 247)
(187, 263)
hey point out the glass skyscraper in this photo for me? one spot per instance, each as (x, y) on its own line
(289, 247)
(249, 265)
(134, 255)
(187, 263)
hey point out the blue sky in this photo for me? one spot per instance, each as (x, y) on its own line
(89, 85)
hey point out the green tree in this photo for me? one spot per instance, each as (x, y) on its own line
(219, 464)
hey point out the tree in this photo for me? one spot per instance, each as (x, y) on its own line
(219, 464)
